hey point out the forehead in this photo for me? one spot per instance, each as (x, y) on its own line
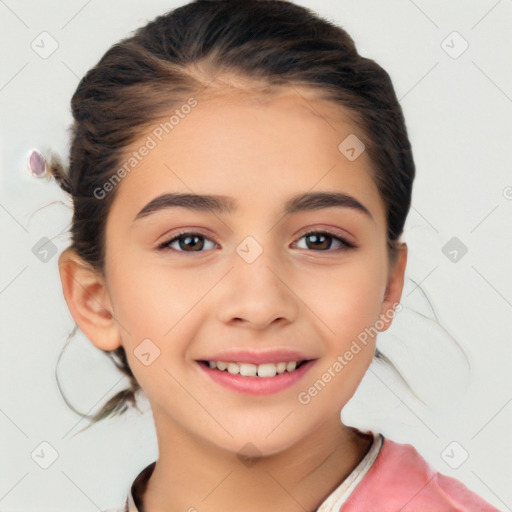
(250, 146)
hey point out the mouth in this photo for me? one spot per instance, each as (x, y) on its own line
(264, 370)
(264, 378)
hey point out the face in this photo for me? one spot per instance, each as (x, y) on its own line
(252, 283)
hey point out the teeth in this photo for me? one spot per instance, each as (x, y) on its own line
(280, 367)
(267, 370)
(248, 370)
(252, 370)
(291, 366)
(233, 368)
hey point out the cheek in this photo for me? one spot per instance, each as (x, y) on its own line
(150, 300)
(151, 304)
(348, 298)
(351, 307)
(153, 310)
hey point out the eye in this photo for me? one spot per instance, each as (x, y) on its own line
(196, 242)
(323, 241)
(185, 240)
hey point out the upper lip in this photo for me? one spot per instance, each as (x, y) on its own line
(257, 356)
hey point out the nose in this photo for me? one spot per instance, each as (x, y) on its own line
(256, 294)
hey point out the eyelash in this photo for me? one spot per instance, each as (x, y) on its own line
(165, 246)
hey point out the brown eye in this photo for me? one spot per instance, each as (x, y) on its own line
(185, 241)
(322, 241)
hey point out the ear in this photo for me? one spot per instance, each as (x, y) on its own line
(394, 287)
(88, 300)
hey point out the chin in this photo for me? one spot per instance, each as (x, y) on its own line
(254, 444)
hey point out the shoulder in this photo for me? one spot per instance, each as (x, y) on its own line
(401, 479)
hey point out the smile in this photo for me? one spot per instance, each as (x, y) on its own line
(256, 379)
(252, 370)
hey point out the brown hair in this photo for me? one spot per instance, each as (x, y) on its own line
(180, 53)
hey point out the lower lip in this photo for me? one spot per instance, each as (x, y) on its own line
(257, 385)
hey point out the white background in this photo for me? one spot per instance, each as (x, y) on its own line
(458, 113)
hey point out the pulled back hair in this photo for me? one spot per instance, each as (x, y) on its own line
(267, 43)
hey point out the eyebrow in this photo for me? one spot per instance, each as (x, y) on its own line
(227, 205)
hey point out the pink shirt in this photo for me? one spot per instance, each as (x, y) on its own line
(391, 477)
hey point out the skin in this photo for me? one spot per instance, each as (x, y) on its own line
(260, 150)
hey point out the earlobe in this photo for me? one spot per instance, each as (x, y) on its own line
(394, 287)
(88, 300)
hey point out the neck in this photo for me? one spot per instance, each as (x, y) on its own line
(193, 474)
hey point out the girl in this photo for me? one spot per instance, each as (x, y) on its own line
(241, 177)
